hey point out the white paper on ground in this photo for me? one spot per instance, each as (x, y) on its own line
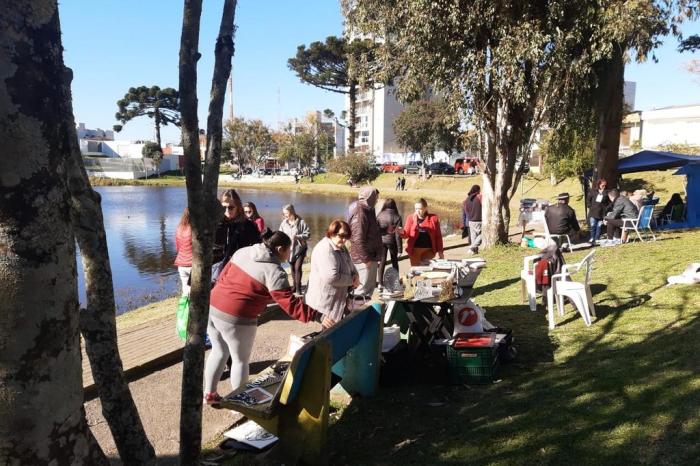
(251, 434)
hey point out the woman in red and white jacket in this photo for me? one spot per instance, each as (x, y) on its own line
(183, 246)
(424, 236)
(242, 292)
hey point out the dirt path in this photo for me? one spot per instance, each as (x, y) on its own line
(157, 396)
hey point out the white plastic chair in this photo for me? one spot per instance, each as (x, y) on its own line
(579, 293)
(552, 238)
(642, 222)
(527, 281)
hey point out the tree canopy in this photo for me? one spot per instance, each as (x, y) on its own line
(426, 126)
(160, 104)
(305, 142)
(247, 142)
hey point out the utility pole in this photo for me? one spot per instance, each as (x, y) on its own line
(230, 93)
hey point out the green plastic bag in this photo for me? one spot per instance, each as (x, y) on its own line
(183, 315)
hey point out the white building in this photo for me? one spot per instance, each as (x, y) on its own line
(650, 129)
(94, 134)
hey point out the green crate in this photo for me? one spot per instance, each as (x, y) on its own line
(472, 365)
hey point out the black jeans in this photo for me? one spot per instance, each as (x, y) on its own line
(393, 250)
(296, 273)
(614, 227)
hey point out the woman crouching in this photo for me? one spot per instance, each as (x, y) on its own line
(253, 276)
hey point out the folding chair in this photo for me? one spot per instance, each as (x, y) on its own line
(642, 222)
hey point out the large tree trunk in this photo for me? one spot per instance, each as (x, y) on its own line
(97, 320)
(157, 124)
(352, 95)
(610, 101)
(204, 208)
(42, 420)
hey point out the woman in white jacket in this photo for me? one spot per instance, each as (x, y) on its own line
(332, 272)
(296, 228)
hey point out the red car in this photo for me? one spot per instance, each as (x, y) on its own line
(462, 165)
(391, 167)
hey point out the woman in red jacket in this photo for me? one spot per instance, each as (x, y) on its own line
(242, 292)
(183, 246)
(424, 236)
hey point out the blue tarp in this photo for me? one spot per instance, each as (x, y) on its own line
(692, 190)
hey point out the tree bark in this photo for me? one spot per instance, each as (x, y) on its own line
(352, 95)
(204, 207)
(42, 419)
(97, 320)
(157, 123)
(610, 101)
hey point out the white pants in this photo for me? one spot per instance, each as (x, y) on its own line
(185, 273)
(368, 278)
(228, 339)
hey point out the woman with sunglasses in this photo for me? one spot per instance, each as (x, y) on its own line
(251, 213)
(332, 273)
(234, 232)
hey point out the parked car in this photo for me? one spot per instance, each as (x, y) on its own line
(391, 167)
(441, 168)
(261, 171)
(294, 172)
(284, 171)
(463, 166)
(413, 167)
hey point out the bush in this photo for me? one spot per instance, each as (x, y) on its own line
(358, 167)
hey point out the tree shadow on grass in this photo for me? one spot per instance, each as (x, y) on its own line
(605, 401)
(494, 286)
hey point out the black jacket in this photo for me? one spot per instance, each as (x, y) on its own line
(597, 209)
(561, 219)
(389, 220)
(231, 236)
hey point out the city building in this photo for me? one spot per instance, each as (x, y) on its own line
(655, 128)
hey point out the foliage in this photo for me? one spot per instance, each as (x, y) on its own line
(160, 104)
(306, 141)
(567, 153)
(357, 166)
(426, 126)
(151, 150)
(247, 142)
(688, 149)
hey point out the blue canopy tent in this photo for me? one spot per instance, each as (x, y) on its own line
(689, 165)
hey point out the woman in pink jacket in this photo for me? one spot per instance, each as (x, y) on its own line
(242, 292)
(183, 246)
(251, 212)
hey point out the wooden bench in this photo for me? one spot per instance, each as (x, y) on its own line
(299, 411)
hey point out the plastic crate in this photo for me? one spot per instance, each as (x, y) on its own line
(473, 365)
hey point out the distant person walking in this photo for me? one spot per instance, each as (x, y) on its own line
(252, 278)
(332, 274)
(598, 202)
(296, 228)
(251, 213)
(423, 233)
(183, 246)
(234, 232)
(389, 221)
(366, 239)
(398, 183)
(472, 206)
(403, 183)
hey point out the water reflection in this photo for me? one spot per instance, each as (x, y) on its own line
(140, 223)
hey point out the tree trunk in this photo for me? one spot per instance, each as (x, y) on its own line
(352, 95)
(157, 123)
(42, 420)
(204, 208)
(610, 101)
(97, 320)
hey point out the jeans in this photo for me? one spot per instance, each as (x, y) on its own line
(368, 279)
(596, 226)
(475, 236)
(393, 251)
(185, 273)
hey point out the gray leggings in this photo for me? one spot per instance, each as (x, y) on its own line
(227, 339)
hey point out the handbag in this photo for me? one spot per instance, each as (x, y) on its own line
(182, 317)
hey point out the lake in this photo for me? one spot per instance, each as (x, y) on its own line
(140, 222)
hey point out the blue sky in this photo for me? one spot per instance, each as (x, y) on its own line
(112, 45)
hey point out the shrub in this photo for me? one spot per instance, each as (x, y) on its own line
(358, 167)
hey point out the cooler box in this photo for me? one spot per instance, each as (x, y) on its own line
(473, 358)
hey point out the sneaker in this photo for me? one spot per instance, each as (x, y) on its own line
(212, 398)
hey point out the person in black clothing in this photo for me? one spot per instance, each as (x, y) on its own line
(234, 232)
(389, 220)
(598, 202)
(472, 210)
(561, 219)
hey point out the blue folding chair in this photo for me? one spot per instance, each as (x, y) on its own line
(642, 222)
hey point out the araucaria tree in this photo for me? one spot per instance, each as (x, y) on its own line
(160, 104)
(331, 66)
(426, 126)
(503, 64)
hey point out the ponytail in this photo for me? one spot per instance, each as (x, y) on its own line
(273, 240)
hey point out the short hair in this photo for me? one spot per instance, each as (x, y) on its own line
(614, 192)
(422, 202)
(336, 227)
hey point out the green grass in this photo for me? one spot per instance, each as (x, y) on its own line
(624, 391)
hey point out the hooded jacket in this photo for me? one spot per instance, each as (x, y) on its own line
(388, 220)
(366, 238)
(246, 284)
(472, 207)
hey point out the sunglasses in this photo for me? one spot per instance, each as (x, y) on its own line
(230, 207)
(247, 211)
(343, 235)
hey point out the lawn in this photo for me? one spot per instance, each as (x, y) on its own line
(623, 391)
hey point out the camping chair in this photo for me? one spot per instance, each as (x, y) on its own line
(642, 222)
(676, 214)
(528, 286)
(579, 293)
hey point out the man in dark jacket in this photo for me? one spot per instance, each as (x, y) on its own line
(622, 208)
(366, 239)
(561, 219)
(472, 211)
